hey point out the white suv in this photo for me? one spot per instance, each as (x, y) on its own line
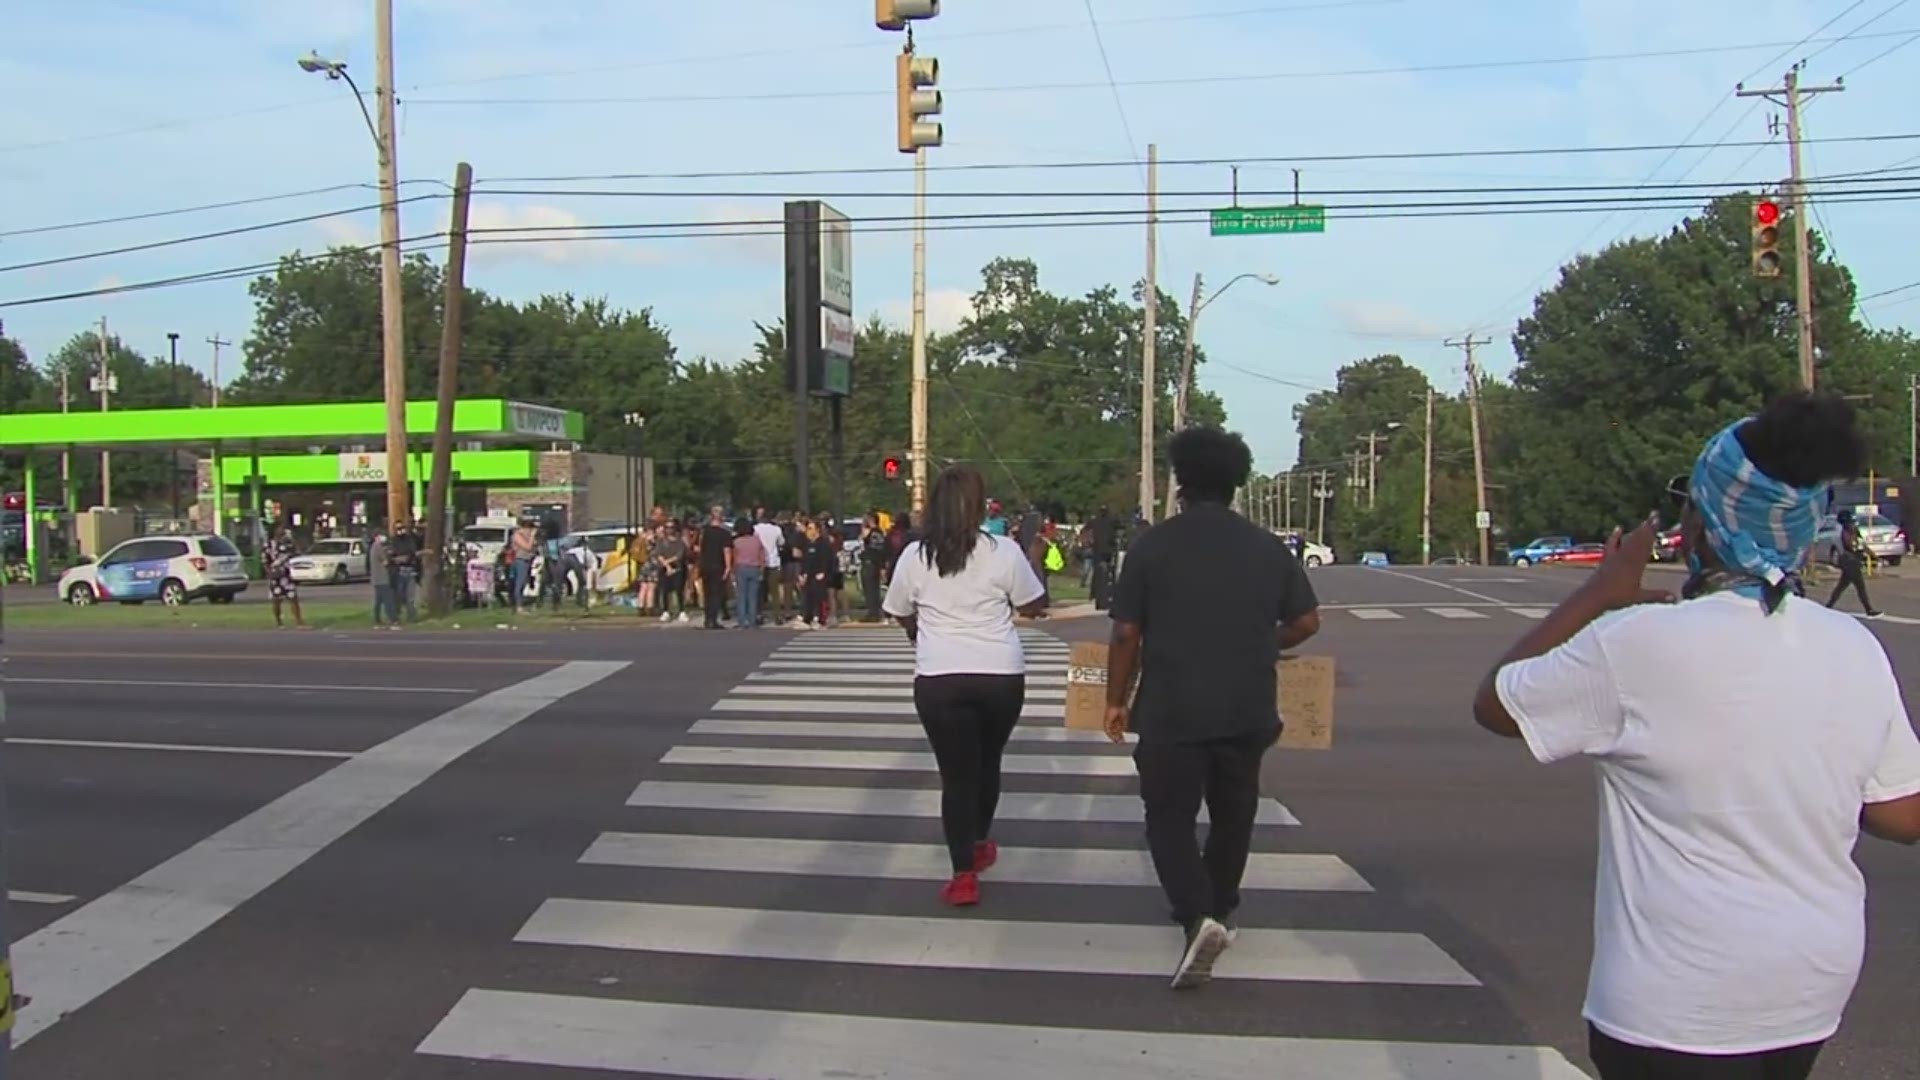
(170, 569)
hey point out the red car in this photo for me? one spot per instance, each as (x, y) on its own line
(1580, 555)
(1667, 548)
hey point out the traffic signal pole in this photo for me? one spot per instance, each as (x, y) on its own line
(1790, 94)
(1483, 524)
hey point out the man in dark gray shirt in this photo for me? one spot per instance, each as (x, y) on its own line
(1204, 604)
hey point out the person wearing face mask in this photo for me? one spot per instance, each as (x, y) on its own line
(1743, 738)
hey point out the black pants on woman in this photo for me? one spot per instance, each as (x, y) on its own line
(968, 719)
(1852, 572)
(814, 601)
(1618, 1060)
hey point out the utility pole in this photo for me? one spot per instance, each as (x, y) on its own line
(1482, 523)
(393, 337)
(105, 385)
(1426, 491)
(441, 478)
(1913, 426)
(1791, 94)
(1372, 439)
(1149, 396)
(1186, 380)
(66, 457)
(216, 341)
(1320, 494)
(919, 439)
(1289, 511)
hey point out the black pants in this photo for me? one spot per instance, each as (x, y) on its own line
(870, 588)
(968, 719)
(1618, 1060)
(814, 600)
(1102, 583)
(713, 581)
(1174, 779)
(1851, 573)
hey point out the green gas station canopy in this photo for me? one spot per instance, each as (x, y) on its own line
(487, 420)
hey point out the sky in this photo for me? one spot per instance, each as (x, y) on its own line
(125, 108)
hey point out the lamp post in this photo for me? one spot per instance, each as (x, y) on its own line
(393, 343)
(173, 456)
(1186, 361)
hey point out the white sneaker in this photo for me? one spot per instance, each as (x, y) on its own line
(1204, 945)
(664, 617)
(798, 624)
(683, 617)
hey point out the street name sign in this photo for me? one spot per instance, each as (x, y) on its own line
(1266, 220)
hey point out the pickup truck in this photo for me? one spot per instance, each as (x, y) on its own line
(1537, 551)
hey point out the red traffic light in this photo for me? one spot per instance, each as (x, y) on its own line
(890, 468)
(1766, 212)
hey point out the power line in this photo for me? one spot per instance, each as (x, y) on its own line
(205, 276)
(1890, 9)
(1164, 82)
(202, 208)
(1212, 162)
(1879, 56)
(1106, 64)
(199, 237)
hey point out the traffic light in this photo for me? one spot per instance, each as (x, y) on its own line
(890, 468)
(914, 97)
(1766, 238)
(896, 14)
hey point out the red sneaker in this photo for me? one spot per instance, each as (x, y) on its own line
(985, 854)
(963, 890)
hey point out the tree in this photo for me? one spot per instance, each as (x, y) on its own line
(317, 330)
(1373, 396)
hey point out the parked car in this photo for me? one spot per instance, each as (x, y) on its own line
(1538, 550)
(332, 562)
(1316, 555)
(1374, 559)
(1882, 537)
(1578, 555)
(1667, 547)
(171, 569)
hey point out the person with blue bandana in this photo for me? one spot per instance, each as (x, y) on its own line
(1743, 738)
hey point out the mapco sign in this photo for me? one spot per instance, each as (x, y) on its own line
(836, 260)
(819, 309)
(363, 468)
(537, 420)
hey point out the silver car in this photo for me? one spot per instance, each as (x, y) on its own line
(1882, 537)
(332, 562)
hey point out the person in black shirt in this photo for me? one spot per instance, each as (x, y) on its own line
(1101, 549)
(874, 558)
(1851, 559)
(820, 560)
(1205, 603)
(716, 563)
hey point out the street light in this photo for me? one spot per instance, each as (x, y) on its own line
(1198, 305)
(393, 338)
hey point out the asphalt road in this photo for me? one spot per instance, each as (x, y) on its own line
(592, 853)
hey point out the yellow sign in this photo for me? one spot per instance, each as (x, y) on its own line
(6, 996)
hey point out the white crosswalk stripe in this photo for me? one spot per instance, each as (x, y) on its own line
(806, 709)
(1391, 613)
(1376, 614)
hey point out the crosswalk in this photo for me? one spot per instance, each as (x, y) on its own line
(1458, 612)
(764, 907)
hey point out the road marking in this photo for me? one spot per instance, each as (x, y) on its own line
(1440, 584)
(1081, 948)
(28, 896)
(1532, 612)
(905, 667)
(1899, 620)
(868, 729)
(893, 691)
(249, 686)
(890, 761)
(1054, 711)
(928, 862)
(191, 748)
(1375, 614)
(564, 1031)
(305, 658)
(1456, 613)
(904, 802)
(883, 679)
(88, 952)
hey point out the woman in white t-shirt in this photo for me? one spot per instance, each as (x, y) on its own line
(955, 592)
(1743, 739)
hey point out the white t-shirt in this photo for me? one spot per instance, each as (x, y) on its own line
(966, 621)
(1734, 752)
(772, 539)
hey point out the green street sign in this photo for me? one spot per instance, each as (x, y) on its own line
(1262, 220)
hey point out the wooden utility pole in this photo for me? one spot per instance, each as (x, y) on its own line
(393, 333)
(1289, 510)
(1426, 491)
(105, 382)
(1372, 439)
(1791, 94)
(217, 342)
(441, 478)
(1149, 385)
(1483, 524)
(1321, 493)
(1181, 389)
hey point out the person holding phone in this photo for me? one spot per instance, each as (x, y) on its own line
(1744, 738)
